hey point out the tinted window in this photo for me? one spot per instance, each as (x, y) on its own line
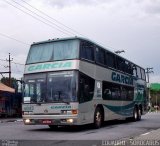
(87, 51)
(60, 50)
(138, 72)
(123, 93)
(110, 60)
(128, 67)
(35, 87)
(130, 93)
(113, 91)
(116, 93)
(100, 55)
(127, 93)
(134, 71)
(121, 64)
(86, 88)
(143, 74)
(61, 87)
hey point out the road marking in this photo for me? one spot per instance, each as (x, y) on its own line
(145, 133)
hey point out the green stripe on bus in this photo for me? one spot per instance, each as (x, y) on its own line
(125, 110)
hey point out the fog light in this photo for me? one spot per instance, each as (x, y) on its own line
(27, 120)
(69, 120)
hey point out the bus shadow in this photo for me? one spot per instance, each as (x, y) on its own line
(87, 127)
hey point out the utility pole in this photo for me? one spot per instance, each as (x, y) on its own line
(148, 71)
(9, 61)
(9, 72)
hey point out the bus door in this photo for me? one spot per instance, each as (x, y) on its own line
(86, 92)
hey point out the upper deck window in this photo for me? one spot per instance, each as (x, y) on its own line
(100, 55)
(87, 51)
(138, 72)
(110, 60)
(120, 63)
(143, 74)
(60, 50)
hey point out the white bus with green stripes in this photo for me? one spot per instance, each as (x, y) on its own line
(74, 81)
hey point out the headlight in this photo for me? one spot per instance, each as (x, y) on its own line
(69, 120)
(27, 121)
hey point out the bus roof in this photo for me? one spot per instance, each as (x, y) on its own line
(81, 38)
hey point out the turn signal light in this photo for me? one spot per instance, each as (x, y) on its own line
(74, 112)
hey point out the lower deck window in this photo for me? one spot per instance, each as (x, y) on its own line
(113, 91)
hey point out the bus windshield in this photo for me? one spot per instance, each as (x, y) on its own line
(35, 89)
(55, 87)
(53, 51)
(61, 87)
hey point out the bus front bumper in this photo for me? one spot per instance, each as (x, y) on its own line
(50, 119)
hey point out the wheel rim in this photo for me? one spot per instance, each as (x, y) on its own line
(135, 114)
(98, 118)
(139, 113)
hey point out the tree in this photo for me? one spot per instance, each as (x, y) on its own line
(14, 84)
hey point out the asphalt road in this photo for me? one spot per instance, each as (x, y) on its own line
(113, 130)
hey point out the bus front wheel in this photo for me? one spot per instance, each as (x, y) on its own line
(98, 118)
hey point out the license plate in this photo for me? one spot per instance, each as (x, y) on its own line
(46, 121)
(28, 108)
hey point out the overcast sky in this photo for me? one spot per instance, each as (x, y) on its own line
(130, 25)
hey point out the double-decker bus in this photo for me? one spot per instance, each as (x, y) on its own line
(74, 81)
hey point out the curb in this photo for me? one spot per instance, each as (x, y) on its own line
(11, 120)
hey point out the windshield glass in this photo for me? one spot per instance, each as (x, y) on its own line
(53, 51)
(62, 87)
(35, 88)
(51, 87)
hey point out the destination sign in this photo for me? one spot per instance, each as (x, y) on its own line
(51, 66)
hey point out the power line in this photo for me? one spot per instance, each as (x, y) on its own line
(2, 65)
(6, 36)
(52, 18)
(12, 62)
(17, 70)
(34, 16)
(3, 60)
(18, 63)
(43, 17)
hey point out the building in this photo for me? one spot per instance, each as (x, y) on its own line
(10, 103)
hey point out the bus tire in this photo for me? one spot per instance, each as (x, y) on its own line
(98, 118)
(139, 114)
(135, 114)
